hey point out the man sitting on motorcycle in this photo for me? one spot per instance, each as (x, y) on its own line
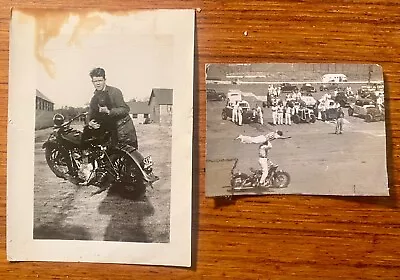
(108, 112)
(100, 123)
(108, 105)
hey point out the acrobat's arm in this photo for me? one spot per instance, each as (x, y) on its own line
(284, 137)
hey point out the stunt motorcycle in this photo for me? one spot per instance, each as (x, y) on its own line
(241, 181)
(69, 152)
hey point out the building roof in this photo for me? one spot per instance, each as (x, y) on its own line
(163, 96)
(139, 107)
(42, 96)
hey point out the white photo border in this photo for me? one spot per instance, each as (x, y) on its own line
(20, 167)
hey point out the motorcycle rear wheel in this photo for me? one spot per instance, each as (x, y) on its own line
(57, 161)
(281, 179)
(131, 183)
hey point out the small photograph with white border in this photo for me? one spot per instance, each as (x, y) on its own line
(103, 136)
(296, 128)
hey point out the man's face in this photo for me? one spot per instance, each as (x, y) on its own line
(98, 82)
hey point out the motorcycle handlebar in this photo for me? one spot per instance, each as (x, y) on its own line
(74, 118)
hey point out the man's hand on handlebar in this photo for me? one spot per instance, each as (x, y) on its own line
(93, 124)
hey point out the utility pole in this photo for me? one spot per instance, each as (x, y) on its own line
(369, 73)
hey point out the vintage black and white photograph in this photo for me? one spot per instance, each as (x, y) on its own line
(108, 107)
(295, 128)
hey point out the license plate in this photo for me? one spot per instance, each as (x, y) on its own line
(148, 162)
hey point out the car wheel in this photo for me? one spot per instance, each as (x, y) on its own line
(296, 119)
(369, 118)
(224, 116)
(312, 118)
(350, 112)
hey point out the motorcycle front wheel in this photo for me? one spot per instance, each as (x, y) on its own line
(57, 161)
(281, 179)
(131, 182)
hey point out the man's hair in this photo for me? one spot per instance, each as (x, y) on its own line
(279, 132)
(98, 72)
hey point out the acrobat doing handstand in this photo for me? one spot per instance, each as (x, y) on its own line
(263, 149)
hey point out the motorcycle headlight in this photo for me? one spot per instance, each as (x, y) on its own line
(58, 119)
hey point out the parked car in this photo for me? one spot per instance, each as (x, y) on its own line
(247, 116)
(288, 88)
(344, 99)
(307, 88)
(304, 115)
(309, 100)
(213, 95)
(368, 92)
(334, 78)
(233, 96)
(379, 88)
(331, 86)
(366, 108)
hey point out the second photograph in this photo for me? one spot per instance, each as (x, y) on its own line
(295, 128)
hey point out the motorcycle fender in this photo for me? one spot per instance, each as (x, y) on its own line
(137, 157)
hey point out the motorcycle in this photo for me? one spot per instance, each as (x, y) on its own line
(242, 181)
(70, 152)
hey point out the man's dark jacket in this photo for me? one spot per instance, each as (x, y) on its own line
(119, 113)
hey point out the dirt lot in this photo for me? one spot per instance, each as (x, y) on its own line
(318, 161)
(63, 210)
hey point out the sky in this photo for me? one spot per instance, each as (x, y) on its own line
(135, 54)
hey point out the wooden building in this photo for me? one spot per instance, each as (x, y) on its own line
(160, 104)
(139, 111)
(43, 103)
(44, 111)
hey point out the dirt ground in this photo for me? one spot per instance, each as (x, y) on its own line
(63, 210)
(318, 160)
